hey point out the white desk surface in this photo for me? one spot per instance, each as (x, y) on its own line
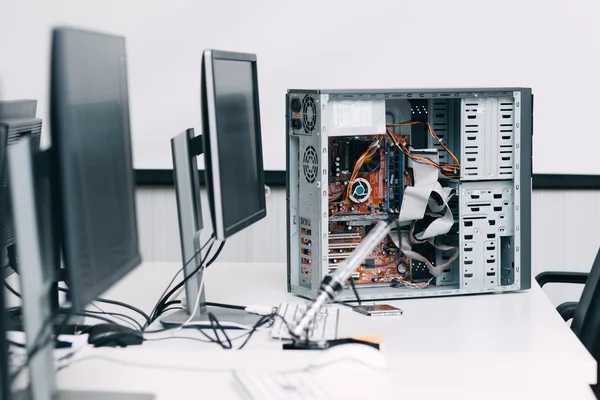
(511, 345)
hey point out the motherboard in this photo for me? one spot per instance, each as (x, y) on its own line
(366, 182)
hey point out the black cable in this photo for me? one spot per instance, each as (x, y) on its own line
(124, 305)
(164, 297)
(264, 319)
(216, 325)
(40, 342)
(210, 304)
(178, 337)
(171, 309)
(223, 305)
(113, 314)
(346, 303)
(171, 303)
(355, 291)
(10, 289)
(85, 314)
(17, 344)
(161, 304)
(160, 307)
(116, 303)
(180, 284)
(260, 322)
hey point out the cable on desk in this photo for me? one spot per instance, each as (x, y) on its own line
(157, 310)
(216, 325)
(211, 304)
(355, 291)
(345, 303)
(121, 317)
(87, 314)
(223, 305)
(17, 344)
(124, 305)
(172, 303)
(263, 320)
(125, 318)
(180, 284)
(171, 309)
(116, 303)
(177, 337)
(40, 342)
(10, 289)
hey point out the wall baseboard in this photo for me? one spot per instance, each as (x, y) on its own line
(164, 177)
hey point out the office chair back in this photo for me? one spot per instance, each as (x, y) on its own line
(586, 321)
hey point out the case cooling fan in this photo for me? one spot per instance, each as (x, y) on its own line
(310, 164)
(309, 114)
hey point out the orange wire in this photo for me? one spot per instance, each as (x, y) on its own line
(432, 134)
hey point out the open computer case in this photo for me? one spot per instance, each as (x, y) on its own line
(454, 165)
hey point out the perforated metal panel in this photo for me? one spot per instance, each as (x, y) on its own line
(487, 138)
(486, 215)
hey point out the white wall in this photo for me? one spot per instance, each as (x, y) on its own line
(549, 45)
(564, 224)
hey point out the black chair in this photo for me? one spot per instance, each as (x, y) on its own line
(586, 312)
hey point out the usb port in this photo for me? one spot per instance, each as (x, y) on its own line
(355, 275)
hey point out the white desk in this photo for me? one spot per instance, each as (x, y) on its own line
(505, 345)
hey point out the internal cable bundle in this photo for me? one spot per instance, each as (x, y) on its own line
(448, 170)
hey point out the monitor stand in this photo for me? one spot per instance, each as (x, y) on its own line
(185, 148)
(32, 220)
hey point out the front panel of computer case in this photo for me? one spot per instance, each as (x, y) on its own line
(453, 165)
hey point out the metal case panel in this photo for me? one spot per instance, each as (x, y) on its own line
(503, 122)
(487, 137)
(486, 216)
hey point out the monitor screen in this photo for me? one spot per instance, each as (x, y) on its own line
(92, 148)
(233, 152)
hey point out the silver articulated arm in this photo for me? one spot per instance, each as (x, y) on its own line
(332, 284)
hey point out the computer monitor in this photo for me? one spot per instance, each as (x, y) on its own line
(77, 198)
(91, 140)
(17, 120)
(5, 387)
(231, 144)
(232, 141)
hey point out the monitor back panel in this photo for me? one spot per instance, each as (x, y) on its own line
(453, 164)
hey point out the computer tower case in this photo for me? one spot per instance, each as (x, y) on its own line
(454, 165)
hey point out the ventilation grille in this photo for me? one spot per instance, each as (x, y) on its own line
(310, 164)
(506, 114)
(309, 114)
(473, 131)
(488, 139)
(486, 215)
(438, 119)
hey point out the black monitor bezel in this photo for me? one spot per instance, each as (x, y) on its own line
(210, 141)
(66, 216)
